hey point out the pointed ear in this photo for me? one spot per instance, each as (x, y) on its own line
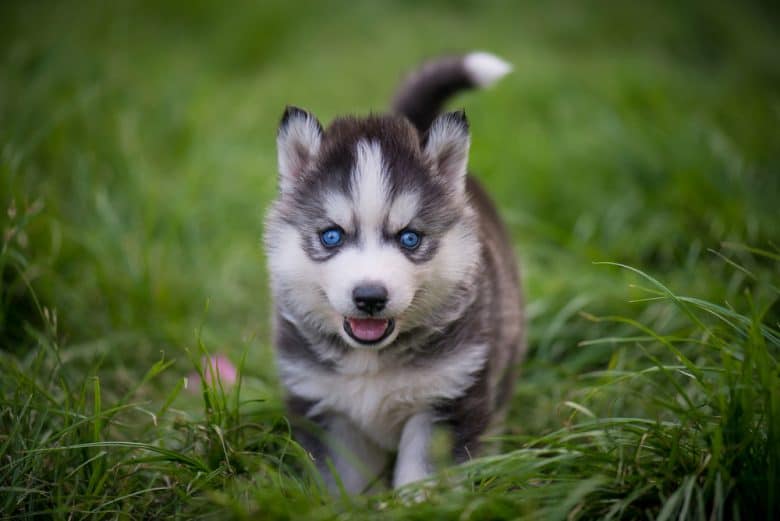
(297, 144)
(447, 147)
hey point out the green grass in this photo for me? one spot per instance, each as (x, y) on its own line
(634, 154)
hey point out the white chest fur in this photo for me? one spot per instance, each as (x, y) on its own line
(378, 398)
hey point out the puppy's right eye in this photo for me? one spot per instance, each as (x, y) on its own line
(331, 237)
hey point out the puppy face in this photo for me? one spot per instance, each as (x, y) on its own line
(371, 234)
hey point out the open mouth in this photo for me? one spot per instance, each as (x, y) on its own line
(369, 330)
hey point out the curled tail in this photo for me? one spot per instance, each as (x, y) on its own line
(423, 93)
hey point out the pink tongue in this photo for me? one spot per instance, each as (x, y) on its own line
(368, 329)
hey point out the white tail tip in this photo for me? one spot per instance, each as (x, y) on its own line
(485, 69)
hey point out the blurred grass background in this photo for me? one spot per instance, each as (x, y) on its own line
(137, 158)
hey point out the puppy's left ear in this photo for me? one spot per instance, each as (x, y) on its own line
(297, 144)
(447, 147)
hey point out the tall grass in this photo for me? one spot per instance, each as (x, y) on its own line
(683, 422)
(136, 160)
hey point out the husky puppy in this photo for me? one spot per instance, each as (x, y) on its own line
(396, 288)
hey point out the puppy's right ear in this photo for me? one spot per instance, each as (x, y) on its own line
(297, 144)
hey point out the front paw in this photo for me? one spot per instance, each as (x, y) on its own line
(418, 492)
(410, 472)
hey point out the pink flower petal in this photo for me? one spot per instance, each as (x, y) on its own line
(217, 365)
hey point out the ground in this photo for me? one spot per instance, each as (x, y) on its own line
(634, 153)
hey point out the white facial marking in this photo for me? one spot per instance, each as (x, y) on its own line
(295, 279)
(457, 256)
(370, 190)
(403, 210)
(372, 262)
(339, 210)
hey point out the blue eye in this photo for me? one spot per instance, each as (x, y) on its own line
(331, 237)
(409, 239)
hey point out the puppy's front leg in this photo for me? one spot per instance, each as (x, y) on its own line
(356, 459)
(412, 463)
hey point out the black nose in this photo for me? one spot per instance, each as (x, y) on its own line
(370, 298)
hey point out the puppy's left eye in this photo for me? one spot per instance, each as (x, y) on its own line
(409, 239)
(331, 237)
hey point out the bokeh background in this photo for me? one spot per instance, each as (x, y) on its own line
(137, 158)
